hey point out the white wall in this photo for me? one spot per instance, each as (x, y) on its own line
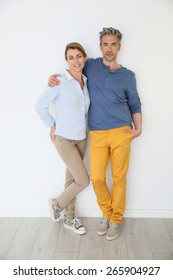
(33, 34)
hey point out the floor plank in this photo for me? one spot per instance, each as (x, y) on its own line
(45, 244)
(159, 236)
(138, 246)
(163, 256)
(171, 233)
(91, 223)
(91, 247)
(68, 241)
(6, 237)
(40, 238)
(8, 228)
(116, 249)
(66, 256)
(10, 223)
(169, 223)
(22, 243)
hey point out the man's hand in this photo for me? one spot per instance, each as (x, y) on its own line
(53, 81)
(52, 133)
(137, 130)
(134, 132)
(137, 120)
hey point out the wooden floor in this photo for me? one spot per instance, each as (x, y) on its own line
(42, 239)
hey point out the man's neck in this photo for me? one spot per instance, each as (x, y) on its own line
(113, 65)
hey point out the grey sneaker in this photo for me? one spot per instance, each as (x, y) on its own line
(75, 225)
(103, 227)
(55, 211)
(113, 231)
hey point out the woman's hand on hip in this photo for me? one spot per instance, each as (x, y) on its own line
(52, 133)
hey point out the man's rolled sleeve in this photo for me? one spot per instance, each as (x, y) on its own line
(133, 97)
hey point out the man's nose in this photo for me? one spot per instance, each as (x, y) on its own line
(110, 48)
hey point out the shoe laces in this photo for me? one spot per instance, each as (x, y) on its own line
(76, 222)
(114, 225)
(57, 211)
(104, 220)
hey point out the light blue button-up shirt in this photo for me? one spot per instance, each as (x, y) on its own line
(71, 106)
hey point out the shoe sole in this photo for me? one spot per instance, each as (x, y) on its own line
(102, 232)
(51, 212)
(76, 231)
(113, 237)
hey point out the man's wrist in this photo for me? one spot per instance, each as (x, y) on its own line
(139, 130)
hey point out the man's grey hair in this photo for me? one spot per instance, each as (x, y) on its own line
(110, 31)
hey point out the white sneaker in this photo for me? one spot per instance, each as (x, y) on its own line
(55, 211)
(75, 225)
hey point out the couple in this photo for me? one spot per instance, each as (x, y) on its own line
(109, 96)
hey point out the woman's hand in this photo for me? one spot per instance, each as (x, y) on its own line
(52, 133)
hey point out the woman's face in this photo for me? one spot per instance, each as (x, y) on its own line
(76, 60)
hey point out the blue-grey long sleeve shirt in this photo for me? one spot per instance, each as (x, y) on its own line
(113, 95)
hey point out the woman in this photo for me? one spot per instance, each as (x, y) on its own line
(68, 132)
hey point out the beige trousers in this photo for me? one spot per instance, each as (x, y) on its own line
(77, 178)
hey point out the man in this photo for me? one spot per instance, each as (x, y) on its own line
(115, 105)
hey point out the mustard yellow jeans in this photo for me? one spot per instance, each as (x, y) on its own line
(113, 144)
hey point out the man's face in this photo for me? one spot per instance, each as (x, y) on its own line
(109, 47)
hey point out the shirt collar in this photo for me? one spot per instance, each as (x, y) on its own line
(108, 68)
(69, 77)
